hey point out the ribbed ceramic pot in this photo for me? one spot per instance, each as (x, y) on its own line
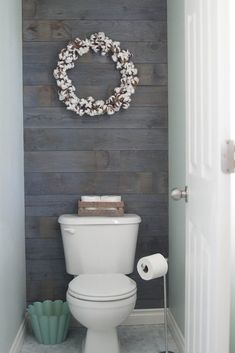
(50, 321)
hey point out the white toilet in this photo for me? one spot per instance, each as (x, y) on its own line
(100, 251)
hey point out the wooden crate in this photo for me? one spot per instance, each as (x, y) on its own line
(101, 209)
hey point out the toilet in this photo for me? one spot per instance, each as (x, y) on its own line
(100, 252)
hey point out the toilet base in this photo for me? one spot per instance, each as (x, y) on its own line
(105, 341)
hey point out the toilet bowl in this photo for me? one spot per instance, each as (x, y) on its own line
(101, 302)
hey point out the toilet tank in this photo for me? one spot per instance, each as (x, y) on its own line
(99, 244)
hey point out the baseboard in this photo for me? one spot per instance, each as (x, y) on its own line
(139, 317)
(19, 339)
(176, 332)
(145, 317)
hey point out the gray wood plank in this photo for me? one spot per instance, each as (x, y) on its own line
(132, 200)
(50, 289)
(46, 96)
(72, 161)
(59, 30)
(88, 161)
(143, 52)
(94, 139)
(47, 269)
(106, 9)
(55, 205)
(95, 74)
(43, 227)
(48, 227)
(44, 249)
(101, 183)
(134, 117)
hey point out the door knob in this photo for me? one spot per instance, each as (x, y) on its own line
(177, 194)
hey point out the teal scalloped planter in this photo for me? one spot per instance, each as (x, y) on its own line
(50, 321)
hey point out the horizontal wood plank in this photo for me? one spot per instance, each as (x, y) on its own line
(89, 9)
(46, 96)
(143, 52)
(94, 139)
(101, 183)
(95, 74)
(88, 161)
(134, 117)
(55, 205)
(48, 227)
(59, 30)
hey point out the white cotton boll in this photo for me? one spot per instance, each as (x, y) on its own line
(80, 51)
(83, 101)
(96, 49)
(74, 100)
(68, 60)
(101, 35)
(56, 73)
(62, 96)
(116, 44)
(90, 99)
(65, 85)
(59, 83)
(126, 105)
(88, 105)
(117, 90)
(114, 58)
(135, 81)
(119, 65)
(110, 110)
(81, 112)
(99, 103)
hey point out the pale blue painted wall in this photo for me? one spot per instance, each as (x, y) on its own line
(176, 103)
(12, 255)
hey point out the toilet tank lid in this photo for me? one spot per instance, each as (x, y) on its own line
(73, 219)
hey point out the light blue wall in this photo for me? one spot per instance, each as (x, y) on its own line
(12, 254)
(176, 101)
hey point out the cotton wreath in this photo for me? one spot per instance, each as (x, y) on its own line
(99, 43)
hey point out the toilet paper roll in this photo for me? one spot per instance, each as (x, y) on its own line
(91, 198)
(111, 198)
(151, 267)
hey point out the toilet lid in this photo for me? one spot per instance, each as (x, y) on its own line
(102, 287)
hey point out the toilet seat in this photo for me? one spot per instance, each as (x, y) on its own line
(102, 287)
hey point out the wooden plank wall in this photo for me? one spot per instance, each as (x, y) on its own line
(67, 156)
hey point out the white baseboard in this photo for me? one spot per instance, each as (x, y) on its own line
(138, 317)
(145, 317)
(176, 332)
(19, 339)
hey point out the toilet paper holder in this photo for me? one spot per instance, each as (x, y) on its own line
(145, 269)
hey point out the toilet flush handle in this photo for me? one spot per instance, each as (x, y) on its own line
(69, 230)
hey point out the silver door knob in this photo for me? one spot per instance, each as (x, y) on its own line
(177, 194)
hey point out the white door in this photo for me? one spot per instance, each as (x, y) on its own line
(207, 210)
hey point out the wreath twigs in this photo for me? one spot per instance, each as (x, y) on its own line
(98, 43)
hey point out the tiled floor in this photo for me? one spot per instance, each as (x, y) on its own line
(133, 339)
